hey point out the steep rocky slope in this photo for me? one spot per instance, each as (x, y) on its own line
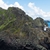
(19, 30)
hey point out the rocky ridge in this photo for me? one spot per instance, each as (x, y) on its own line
(18, 31)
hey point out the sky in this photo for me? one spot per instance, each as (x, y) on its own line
(34, 8)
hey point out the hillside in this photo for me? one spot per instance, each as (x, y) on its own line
(18, 30)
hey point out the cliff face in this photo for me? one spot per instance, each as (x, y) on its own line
(19, 30)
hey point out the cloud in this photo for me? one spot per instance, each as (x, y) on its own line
(16, 4)
(5, 6)
(37, 12)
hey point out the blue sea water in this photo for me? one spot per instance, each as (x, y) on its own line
(48, 24)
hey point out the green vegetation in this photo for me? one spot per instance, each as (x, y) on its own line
(5, 24)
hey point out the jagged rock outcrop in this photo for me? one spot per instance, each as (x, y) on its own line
(20, 31)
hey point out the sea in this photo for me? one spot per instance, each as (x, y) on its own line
(48, 24)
